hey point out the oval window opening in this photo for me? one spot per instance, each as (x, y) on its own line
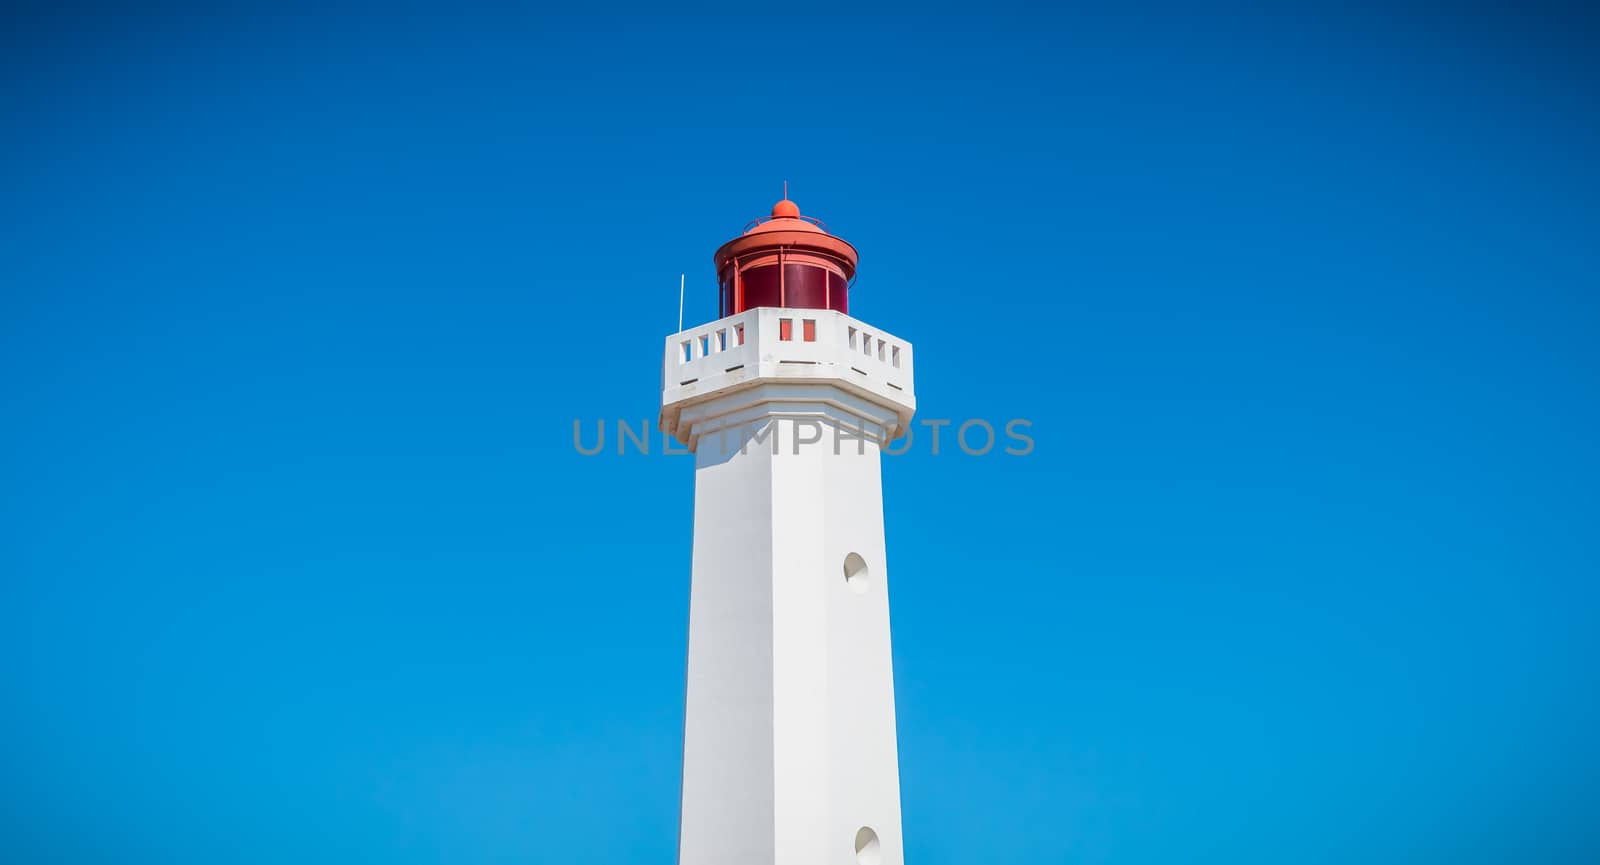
(867, 847)
(856, 575)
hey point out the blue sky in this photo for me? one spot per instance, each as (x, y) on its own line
(297, 308)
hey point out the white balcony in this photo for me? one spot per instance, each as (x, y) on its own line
(774, 345)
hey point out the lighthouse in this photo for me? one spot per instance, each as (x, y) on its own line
(789, 751)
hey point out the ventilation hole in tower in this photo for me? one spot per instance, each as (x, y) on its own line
(856, 575)
(867, 847)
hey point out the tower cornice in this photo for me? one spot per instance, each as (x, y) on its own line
(773, 361)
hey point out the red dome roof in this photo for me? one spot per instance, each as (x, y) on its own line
(785, 217)
(787, 232)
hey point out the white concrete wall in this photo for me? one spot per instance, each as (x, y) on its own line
(864, 787)
(789, 744)
(728, 770)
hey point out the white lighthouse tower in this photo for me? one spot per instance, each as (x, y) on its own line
(789, 732)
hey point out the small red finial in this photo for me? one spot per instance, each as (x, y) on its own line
(786, 209)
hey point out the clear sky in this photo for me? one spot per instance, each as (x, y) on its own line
(298, 562)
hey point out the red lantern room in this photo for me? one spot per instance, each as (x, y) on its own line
(785, 260)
